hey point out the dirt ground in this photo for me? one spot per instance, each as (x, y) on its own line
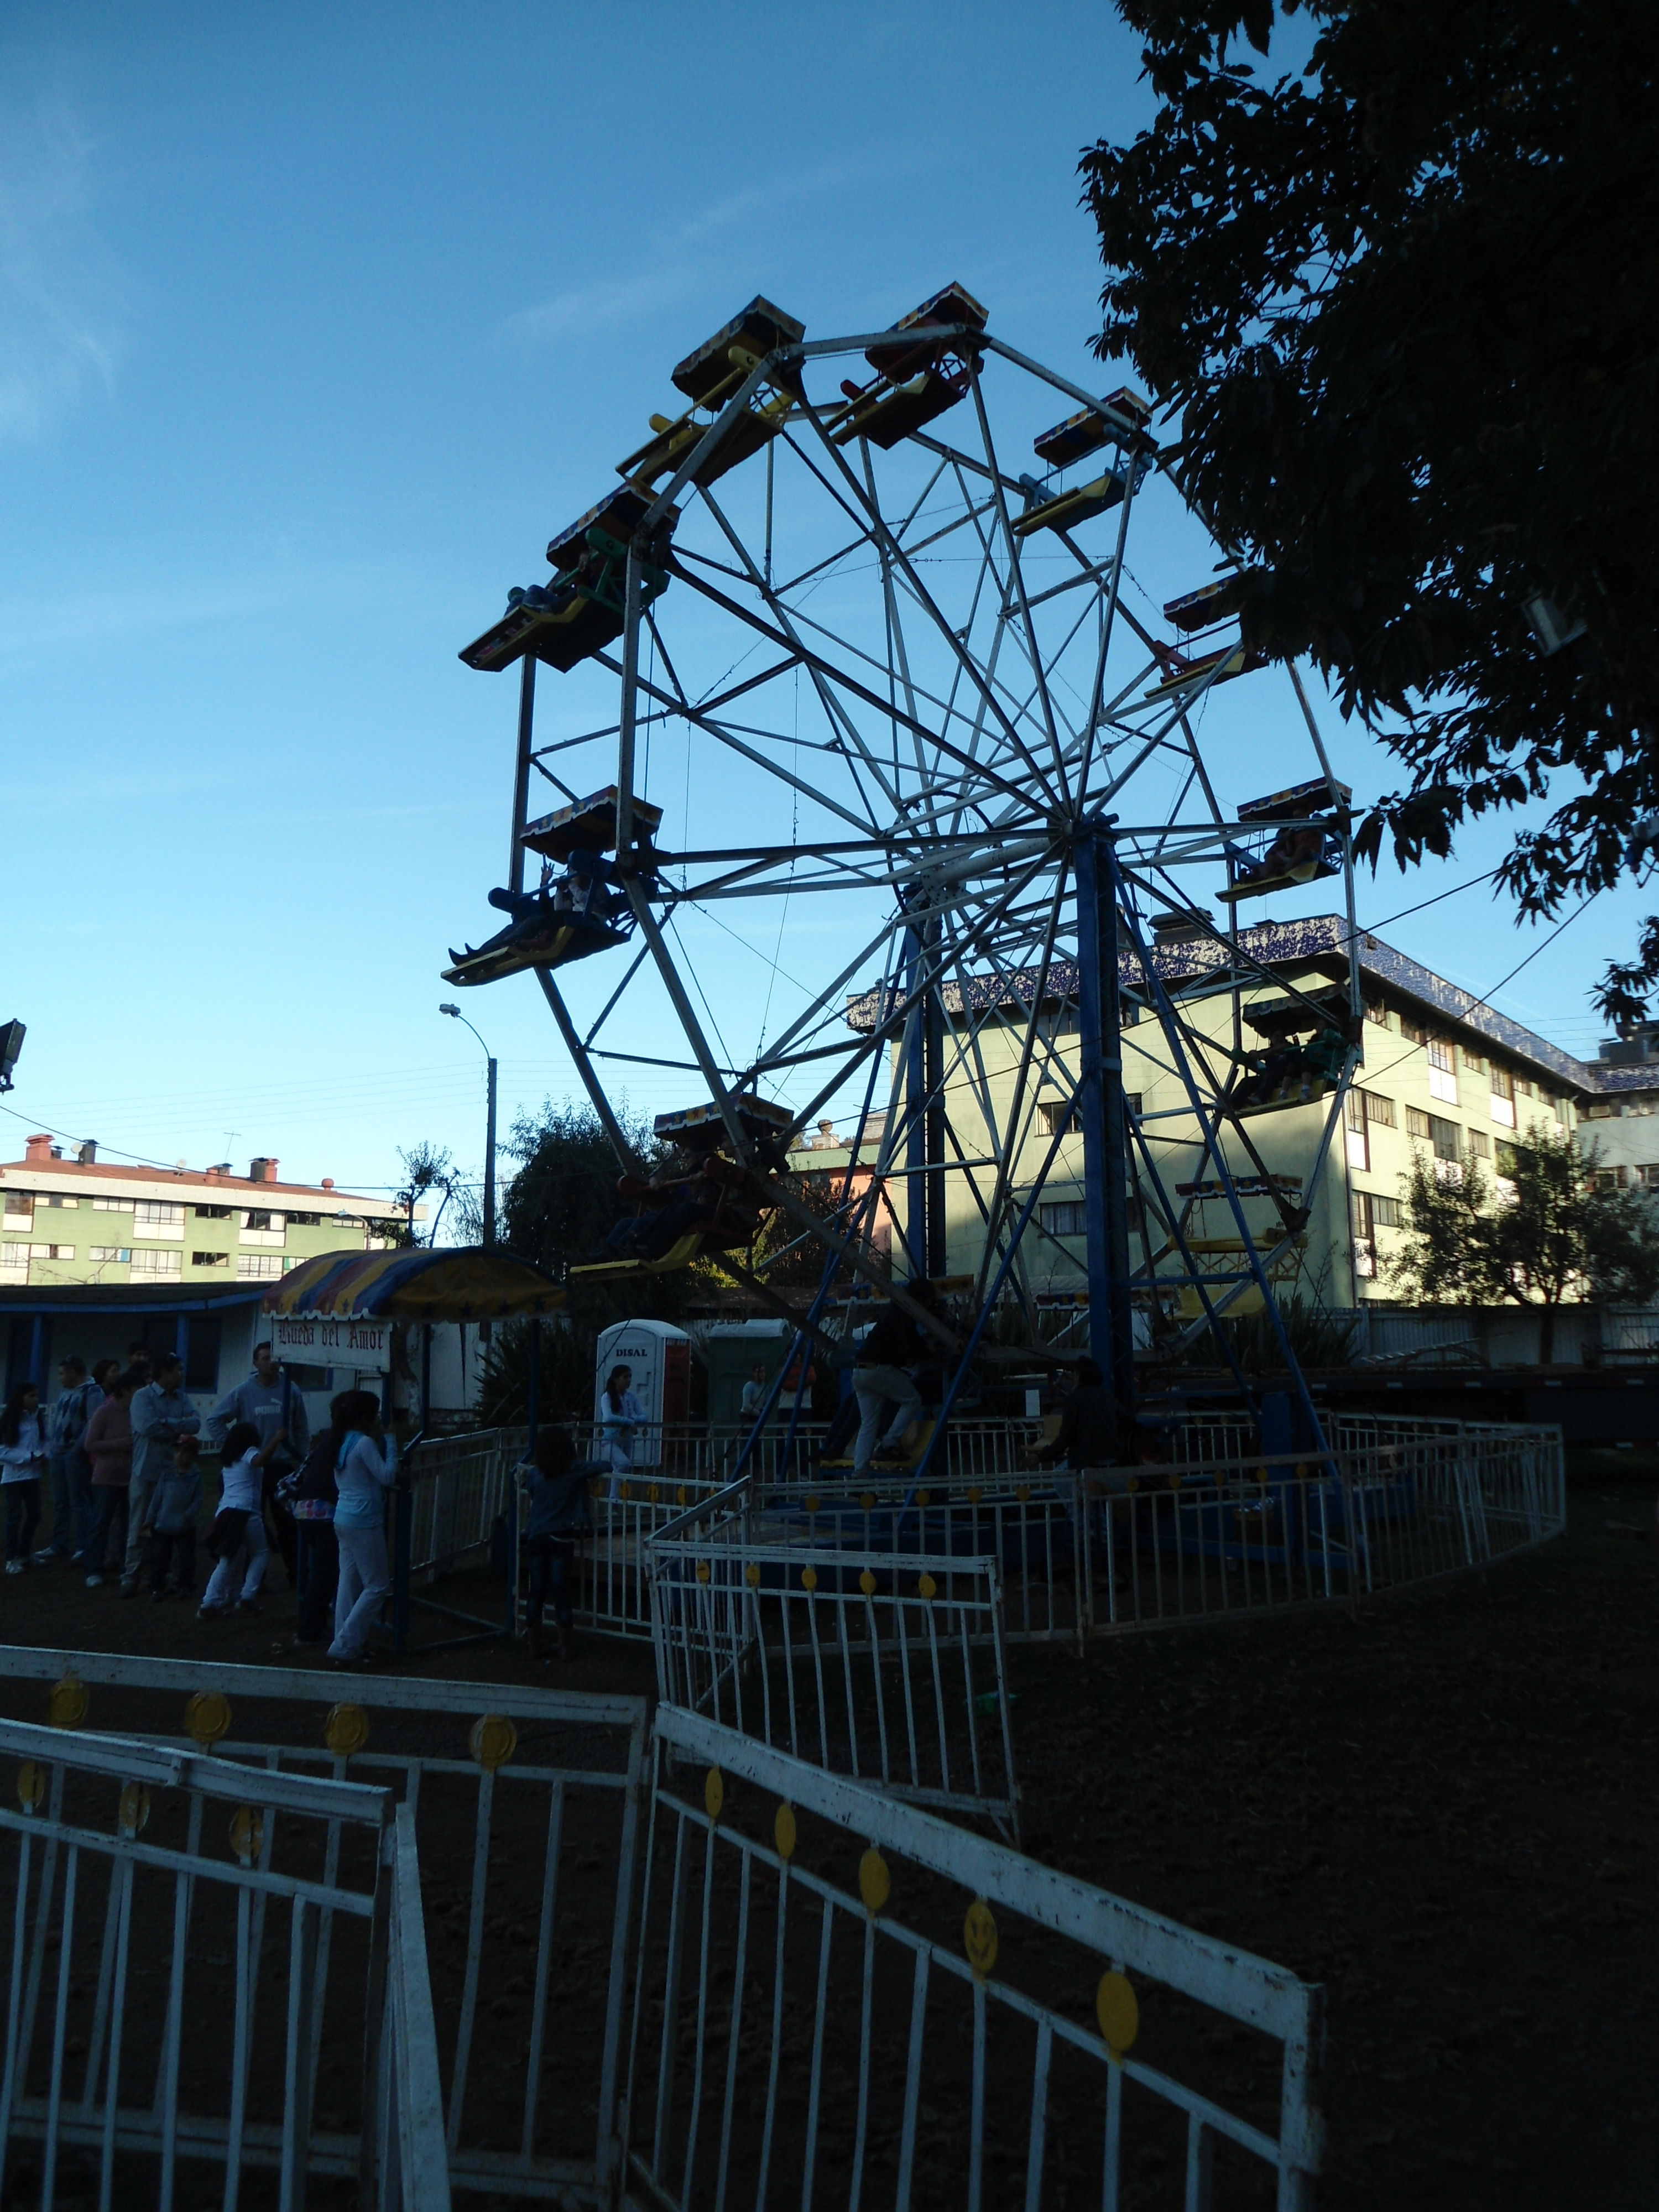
(1446, 1810)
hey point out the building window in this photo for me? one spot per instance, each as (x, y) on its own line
(157, 1217)
(1431, 1129)
(1605, 1178)
(210, 1259)
(1057, 1118)
(112, 1206)
(258, 1266)
(1503, 1098)
(1369, 1212)
(54, 1198)
(1356, 1136)
(1063, 1218)
(1474, 1063)
(1132, 1100)
(1442, 1070)
(102, 1254)
(1379, 1108)
(211, 1213)
(305, 1221)
(1649, 1174)
(51, 1251)
(1480, 1144)
(14, 1263)
(259, 1227)
(1413, 1030)
(1378, 1013)
(157, 1267)
(1644, 1103)
(1522, 1088)
(19, 1210)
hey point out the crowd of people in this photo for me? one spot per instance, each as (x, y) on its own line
(115, 1463)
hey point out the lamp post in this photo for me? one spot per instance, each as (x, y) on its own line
(490, 1130)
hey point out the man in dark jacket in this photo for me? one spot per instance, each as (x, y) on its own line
(1088, 1422)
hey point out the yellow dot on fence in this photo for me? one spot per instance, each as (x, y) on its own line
(809, 1578)
(1261, 1473)
(783, 1830)
(868, 1501)
(811, 1501)
(1134, 1483)
(31, 1783)
(875, 1883)
(713, 1792)
(653, 1494)
(133, 1809)
(66, 1703)
(975, 1495)
(624, 1490)
(751, 1575)
(927, 1586)
(596, 1488)
(1175, 1482)
(979, 1937)
(1116, 2010)
(868, 1582)
(924, 1498)
(248, 1833)
(492, 1742)
(346, 1730)
(681, 1496)
(1023, 1491)
(207, 1717)
(702, 1570)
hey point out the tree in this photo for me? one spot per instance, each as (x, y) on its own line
(1547, 1233)
(1403, 302)
(426, 1167)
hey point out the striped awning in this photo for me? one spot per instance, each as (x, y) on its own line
(461, 1283)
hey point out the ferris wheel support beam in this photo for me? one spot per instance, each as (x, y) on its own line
(1106, 1164)
(521, 771)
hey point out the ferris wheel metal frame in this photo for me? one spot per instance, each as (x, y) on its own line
(994, 845)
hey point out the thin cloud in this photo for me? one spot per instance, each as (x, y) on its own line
(590, 307)
(59, 328)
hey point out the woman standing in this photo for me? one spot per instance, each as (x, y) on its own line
(108, 1445)
(620, 1416)
(22, 1463)
(365, 1463)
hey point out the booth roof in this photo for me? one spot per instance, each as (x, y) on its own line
(464, 1283)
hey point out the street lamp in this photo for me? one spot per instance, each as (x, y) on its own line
(489, 1130)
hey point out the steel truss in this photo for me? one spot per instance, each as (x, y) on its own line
(915, 662)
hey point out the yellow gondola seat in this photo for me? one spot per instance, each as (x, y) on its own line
(1181, 674)
(1212, 603)
(679, 1254)
(580, 610)
(1067, 510)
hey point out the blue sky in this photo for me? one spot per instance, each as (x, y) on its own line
(314, 323)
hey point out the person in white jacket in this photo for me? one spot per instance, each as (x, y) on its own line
(365, 1465)
(22, 1463)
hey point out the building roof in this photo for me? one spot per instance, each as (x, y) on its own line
(1322, 938)
(54, 1173)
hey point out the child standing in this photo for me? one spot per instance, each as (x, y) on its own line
(239, 1526)
(22, 1463)
(557, 1515)
(176, 1507)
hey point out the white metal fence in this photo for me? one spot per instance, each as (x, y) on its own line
(154, 2027)
(530, 1865)
(893, 2010)
(882, 1665)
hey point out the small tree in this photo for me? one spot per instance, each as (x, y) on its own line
(1547, 1234)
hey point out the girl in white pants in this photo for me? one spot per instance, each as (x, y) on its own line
(365, 1463)
(238, 1527)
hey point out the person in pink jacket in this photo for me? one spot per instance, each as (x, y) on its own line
(108, 1445)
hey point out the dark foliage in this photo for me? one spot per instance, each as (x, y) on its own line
(1403, 301)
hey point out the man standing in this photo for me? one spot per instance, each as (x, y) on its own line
(882, 1379)
(69, 1470)
(754, 1394)
(162, 1414)
(269, 1400)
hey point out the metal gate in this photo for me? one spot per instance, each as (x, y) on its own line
(154, 2025)
(884, 1666)
(842, 1998)
(531, 1866)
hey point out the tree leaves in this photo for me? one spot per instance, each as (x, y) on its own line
(1404, 305)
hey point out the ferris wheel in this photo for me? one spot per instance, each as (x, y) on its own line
(857, 642)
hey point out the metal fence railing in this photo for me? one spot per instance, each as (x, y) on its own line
(529, 1850)
(885, 1666)
(908, 2009)
(158, 2023)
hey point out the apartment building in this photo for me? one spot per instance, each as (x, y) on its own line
(68, 1216)
(1443, 1074)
